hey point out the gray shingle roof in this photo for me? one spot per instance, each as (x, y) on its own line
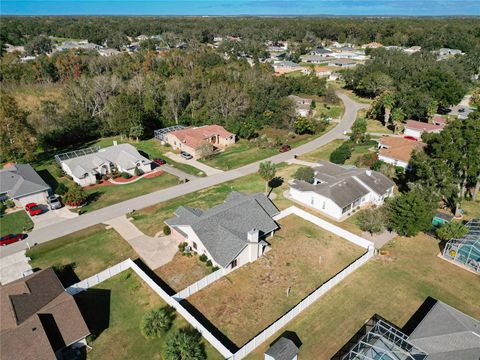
(343, 185)
(20, 180)
(283, 349)
(125, 155)
(447, 333)
(223, 229)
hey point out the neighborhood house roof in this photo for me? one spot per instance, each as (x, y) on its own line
(195, 137)
(418, 125)
(286, 64)
(447, 333)
(38, 318)
(398, 148)
(21, 180)
(124, 155)
(223, 229)
(344, 185)
(341, 62)
(283, 349)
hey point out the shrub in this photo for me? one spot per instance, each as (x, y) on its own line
(126, 175)
(181, 246)
(209, 263)
(156, 322)
(304, 126)
(341, 154)
(166, 230)
(9, 203)
(184, 344)
(98, 181)
(366, 160)
(215, 268)
(305, 173)
(75, 196)
(371, 220)
(3, 207)
(452, 230)
(138, 172)
(61, 189)
(203, 258)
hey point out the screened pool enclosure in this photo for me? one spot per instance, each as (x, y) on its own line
(466, 250)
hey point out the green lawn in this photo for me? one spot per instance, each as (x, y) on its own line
(324, 152)
(103, 196)
(393, 286)
(114, 309)
(91, 251)
(15, 223)
(150, 220)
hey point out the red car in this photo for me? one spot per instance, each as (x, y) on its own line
(33, 209)
(11, 238)
(285, 148)
(159, 161)
(410, 138)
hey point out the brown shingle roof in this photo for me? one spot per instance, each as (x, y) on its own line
(399, 148)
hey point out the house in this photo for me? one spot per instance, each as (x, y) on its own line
(108, 52)
(439, 120)
(22, 184)
(40, 320)
(412, 49)
(282, 349)
(323, 71)
(192, 139)
(313, 59)
(85, 169)
(445, 53)
(442, 333)
(416, 129)
(343, 63)
(372, 45)
(338, 191)
(398, 151)
(230, 234)
(321, 52)
(302, 106)
(284, 67)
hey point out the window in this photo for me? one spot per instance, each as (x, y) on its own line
(323, 205)
(234, 263)
(311, 201)
(346, 208)
(194, 245)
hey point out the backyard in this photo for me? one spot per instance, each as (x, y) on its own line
(393, 286)
(113, 310)
(183, 271)
(302, 257)
(15, 223)
(87, 251)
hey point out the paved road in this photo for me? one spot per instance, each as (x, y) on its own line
(208, 170)
(103, 215)
(178, 173)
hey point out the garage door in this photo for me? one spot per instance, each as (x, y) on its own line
(36, 198)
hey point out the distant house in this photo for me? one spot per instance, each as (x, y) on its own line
(192, 139)
(412, 49)
(230, 234)
(86, 169)
(337, 191)
(446, 52)
(313, 59)
(416, 129)
(282, 349)
(342, 63)
(108, 52)
(442, 333)
(303, 106)
(321, 52)
(439, 120)
(398, 151)
(22, 184)
(283, 67)
(40, 320)
(372, 45)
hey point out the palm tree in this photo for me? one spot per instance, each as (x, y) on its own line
(397, 117)
(432, 109)
(267, 172)
(388, 101)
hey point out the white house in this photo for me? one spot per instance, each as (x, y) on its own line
(85, 169)
(303, 106)
(338, 191)
(22, 184)
(231, 234)
(416, 129)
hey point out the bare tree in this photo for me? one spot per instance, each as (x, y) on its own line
(175, 95)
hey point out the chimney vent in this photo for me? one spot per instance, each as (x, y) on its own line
(253, 235)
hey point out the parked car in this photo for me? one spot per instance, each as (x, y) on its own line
(159, 161)
(33, 209)
(285, 148)
(186, 155)
(11, 238)
(54, 202)
(410, 138)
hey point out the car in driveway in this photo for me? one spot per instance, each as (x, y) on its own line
(410, 138)
(54, 202)
(11, 238)
(285, 148)
(33, 209)
(186, 155)
(159, 161)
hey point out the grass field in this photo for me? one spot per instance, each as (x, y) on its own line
(15, 223)
(183, 271)
(324, 152)
(115, 308)
(303, 256)
(29, 97)
(91, 251)
(393, 287)
(150, 220)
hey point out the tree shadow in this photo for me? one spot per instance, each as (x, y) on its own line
(48, 178)
(275, 183)
(155, 277)
(66, 274)
(419, 315)
(290, 335)
(94, 304)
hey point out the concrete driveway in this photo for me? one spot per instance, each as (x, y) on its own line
(13, 267)
(205, 168)
(50, 217)
(154, 251)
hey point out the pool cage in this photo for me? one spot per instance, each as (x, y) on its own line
(161, 134)
(466, 250)
(385, 342)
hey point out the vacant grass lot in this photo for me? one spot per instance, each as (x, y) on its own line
(183, 271)
(323, 153)
(393, 287)
(91, 251)
(114, 310)
(15, 223)
(150, 220)
(303, 256)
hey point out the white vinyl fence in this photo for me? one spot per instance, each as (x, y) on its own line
(200, 284)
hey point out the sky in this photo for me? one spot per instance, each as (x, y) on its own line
(241, 7)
